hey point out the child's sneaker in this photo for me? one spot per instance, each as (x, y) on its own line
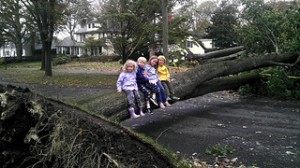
(148, 110)
(162, 105)
(174, 98)
(167, 104)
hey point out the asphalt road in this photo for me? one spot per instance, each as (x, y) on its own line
(264, 133)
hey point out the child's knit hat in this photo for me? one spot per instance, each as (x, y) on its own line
(162, 57)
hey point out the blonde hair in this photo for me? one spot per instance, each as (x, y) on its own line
(128, 62)
(142, 59)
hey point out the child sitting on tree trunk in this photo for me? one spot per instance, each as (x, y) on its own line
(154, 79)
(127, 83)
(144, 85)
(164, 76)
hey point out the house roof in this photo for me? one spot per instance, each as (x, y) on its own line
(84, 30)
(68, 42)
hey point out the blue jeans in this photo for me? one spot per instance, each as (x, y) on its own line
(161, 95)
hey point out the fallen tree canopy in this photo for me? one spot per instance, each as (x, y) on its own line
(194, 82)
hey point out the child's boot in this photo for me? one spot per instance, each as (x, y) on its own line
(132, 113)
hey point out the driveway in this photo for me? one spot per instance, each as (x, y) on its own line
(264, 133)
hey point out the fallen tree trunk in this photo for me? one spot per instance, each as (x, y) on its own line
(186, 84)
(218, 53)
(219, 59)
(225, 83)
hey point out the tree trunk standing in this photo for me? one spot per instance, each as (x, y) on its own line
(43, 59)
(48, 66)
(45, 15)
(194, 82)
(164, 4)
(19, 48)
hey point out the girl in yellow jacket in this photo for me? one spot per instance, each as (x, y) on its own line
(164, 76)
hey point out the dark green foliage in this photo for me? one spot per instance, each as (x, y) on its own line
(279, 83)
(282, 85)
(270, 27)
(222, 30)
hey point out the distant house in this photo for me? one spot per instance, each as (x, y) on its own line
(77, 47)
(70, 47)
(90, 40)
(9, 50)
(199, 46)
(94, 40)
(194, 45)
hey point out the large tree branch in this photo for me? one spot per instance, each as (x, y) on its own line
(187, 82)
(224, 83)
(218, 53)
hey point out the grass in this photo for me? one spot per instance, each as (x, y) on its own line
(62, 79)
(15, 73)
(220, 150)
(76, 65)
(36, 64)
(59, 79)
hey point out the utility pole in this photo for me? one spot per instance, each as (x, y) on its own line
(164, 4)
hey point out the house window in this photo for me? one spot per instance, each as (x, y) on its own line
(189, 44)
(89, 25)
(82, 37)
(7, 53)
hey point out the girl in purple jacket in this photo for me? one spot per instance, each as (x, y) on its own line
(127, 83)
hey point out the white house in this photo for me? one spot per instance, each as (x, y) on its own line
(89, 32)
(200, 46)
(9, 50)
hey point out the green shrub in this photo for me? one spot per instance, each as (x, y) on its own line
(86, 58)
(61, 59)
(2, 60)
(279, 83)
(220, 150)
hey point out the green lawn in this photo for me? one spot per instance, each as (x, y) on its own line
(61, 79)
(36, 64)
